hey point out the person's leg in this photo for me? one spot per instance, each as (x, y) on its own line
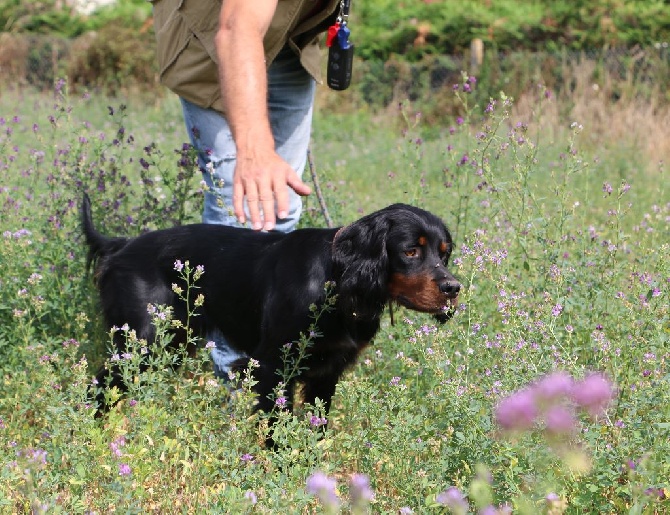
(211, 137)
(290, 104)
(290, 100)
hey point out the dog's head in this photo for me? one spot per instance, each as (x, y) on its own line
(398, 253)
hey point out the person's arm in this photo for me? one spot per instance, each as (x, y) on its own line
(260, 174)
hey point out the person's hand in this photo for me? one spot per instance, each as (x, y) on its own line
(263, 179)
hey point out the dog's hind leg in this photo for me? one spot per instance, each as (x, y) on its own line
(111, 375)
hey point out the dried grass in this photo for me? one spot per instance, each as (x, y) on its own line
(618, 116)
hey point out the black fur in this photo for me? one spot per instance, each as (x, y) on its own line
(258, 287)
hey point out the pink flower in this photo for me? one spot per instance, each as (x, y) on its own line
(593, 393)
(518, 411)
(554, 386)
(559, 420)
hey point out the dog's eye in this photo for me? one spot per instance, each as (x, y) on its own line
(412, 252)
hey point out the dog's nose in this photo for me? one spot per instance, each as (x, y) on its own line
(450, 287)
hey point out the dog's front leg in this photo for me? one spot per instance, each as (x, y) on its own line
(321, 387)
(272, 394)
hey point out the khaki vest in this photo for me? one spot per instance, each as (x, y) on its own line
(185, 31)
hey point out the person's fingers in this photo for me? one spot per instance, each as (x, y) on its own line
(266, 195)
(282, 197)
(251, 193)
(294, 181)
(267, 201)
(238, 201)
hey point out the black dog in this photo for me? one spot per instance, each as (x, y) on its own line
(258, 287)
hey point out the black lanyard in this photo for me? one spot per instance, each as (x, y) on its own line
(344, 9)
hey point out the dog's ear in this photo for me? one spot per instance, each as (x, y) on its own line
(360, 265)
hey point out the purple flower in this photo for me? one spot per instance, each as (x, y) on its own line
(559, 420)
(359, 490)
(116, 445)
(178, 265)
(459, 120)
(124, 469)
(517, 411)
(34, 456)
(323, 487)
(280, 402)
(317, 421)
(247, 457)
(453, 499)
(395, 381)
(495, 510)
(554, 386)
(251, 496)
(557, 310)
(593, 393)
(656, 492)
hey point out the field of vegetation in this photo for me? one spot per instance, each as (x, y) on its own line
(548, 391)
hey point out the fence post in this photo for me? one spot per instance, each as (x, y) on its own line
(476, 55)
(54, 63)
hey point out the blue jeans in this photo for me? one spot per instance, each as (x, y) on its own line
(290, 104)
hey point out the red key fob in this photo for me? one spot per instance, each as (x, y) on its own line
(332, 33)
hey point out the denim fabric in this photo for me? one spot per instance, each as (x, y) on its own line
(290, 103)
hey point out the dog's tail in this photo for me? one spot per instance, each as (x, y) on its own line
(99, 245)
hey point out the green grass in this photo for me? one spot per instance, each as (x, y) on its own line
(562, 250)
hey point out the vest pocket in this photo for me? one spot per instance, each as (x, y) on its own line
(185, 65)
